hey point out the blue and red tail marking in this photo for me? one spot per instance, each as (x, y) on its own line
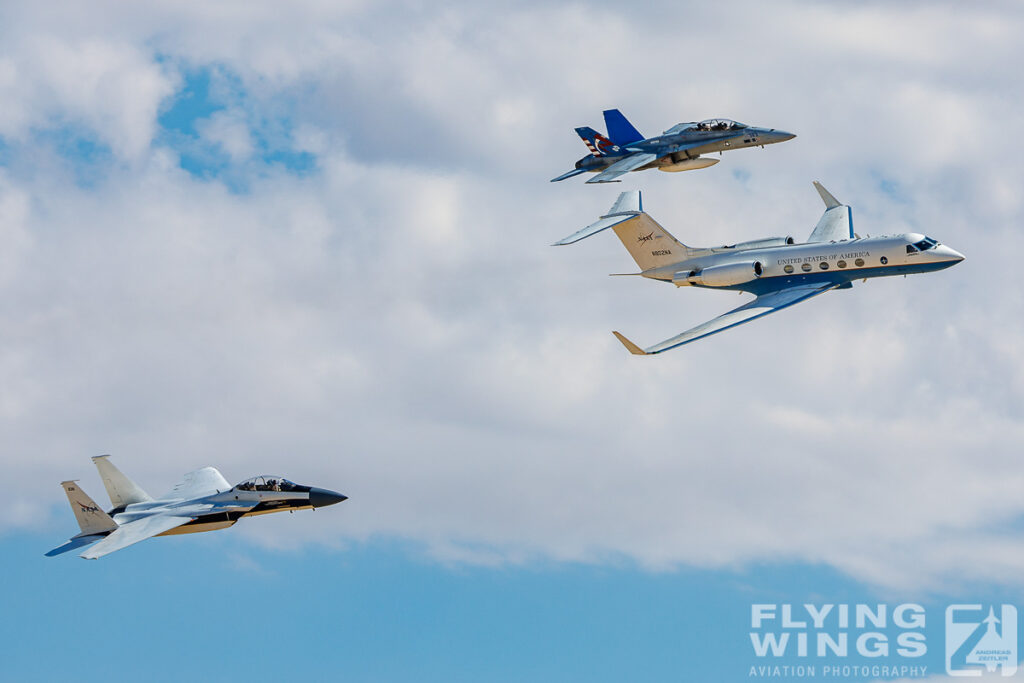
(598, 144)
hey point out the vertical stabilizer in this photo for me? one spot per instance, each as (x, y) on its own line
(598, 144)
(650, 245)
(90, 517)
(122, 490)
(620, 130)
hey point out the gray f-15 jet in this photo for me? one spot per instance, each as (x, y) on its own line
(677, 149)
(203, 501)
(776, 270)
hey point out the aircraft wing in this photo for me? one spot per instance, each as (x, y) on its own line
(836, 224)
(132, 532)
(201, 482)
(761, 306)
(622, 166)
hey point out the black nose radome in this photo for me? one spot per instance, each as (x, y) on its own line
(319, 498)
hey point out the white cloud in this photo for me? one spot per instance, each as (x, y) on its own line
(229, 131)
(108, 87)
(394, 326)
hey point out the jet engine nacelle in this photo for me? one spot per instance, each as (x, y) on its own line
(721, 276)
(684, 164)
(762, 243)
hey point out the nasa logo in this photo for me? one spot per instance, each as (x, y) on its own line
(646, 238)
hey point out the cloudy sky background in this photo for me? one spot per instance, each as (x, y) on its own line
(314, 242)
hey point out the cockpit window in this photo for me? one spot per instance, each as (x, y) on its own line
(912, 248)
(720, 124)
(926, 243)
(269, 482)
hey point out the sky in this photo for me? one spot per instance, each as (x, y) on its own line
(315, 243)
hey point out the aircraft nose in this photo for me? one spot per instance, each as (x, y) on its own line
(780, 135)
(319, 498)
(949, 254)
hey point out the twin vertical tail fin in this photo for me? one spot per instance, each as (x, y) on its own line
(620, 130)
(92, 520)
(90, 517)
(598, 144)
(122, 490)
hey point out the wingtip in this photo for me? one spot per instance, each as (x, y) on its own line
(630, 346)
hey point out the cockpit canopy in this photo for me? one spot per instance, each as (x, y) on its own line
(720, 124)
(922, 245)
(269, 482)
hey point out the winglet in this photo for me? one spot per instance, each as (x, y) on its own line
(630, 346)
(826, 196)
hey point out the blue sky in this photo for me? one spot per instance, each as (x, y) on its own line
(377, 613)
(316, 244)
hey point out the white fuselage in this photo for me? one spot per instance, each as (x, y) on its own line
(839, 262)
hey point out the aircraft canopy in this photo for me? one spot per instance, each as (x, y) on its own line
(720, 124)
(923, 245)
(270, 482)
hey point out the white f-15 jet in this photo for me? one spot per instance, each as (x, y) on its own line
(776, 270)
(203, 501)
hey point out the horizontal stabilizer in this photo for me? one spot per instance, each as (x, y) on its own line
(826, 196)
(627, 206)
(569, 174)
(76, 542)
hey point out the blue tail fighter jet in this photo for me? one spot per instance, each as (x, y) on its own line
(677, 149)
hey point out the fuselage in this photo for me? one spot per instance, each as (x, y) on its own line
(679, 147)
(765, 269)
(224, 508)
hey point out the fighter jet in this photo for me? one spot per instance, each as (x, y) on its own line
(677, 149)
(203, 501)
(776, 270)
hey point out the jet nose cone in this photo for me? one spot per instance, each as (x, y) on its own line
(949, 254)
(319, 498)
(781, 136)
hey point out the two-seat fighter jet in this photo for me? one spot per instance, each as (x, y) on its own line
(203, 501)
(677, 149)
(778, 272)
